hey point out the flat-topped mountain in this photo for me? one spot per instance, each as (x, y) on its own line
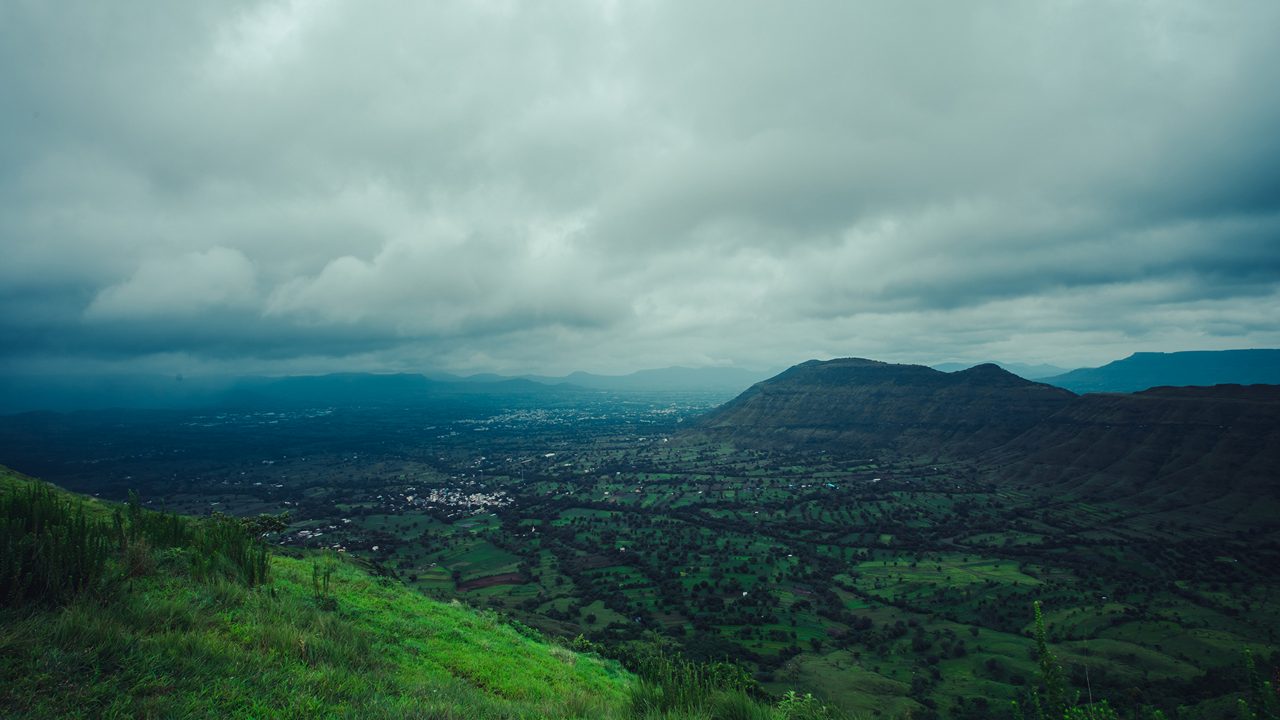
(862, 404)
(1163, 447)
(1144, 370)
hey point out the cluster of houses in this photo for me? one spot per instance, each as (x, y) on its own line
(456, 502)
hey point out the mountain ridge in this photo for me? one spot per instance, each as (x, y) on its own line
(1160, 446)
(70, 393)
(1143, 370)
(871, 406)
(1030, 371)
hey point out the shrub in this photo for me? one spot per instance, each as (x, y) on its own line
(50, 549)
(54, 546)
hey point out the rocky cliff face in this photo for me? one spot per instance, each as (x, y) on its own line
(865, 405)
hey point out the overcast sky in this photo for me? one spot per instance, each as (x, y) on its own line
(549, 186)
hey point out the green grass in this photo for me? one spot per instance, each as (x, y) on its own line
(168, 647)
(316, 637)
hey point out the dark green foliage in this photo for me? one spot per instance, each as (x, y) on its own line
(795, 706)
(672, 683)
(1050, 699)
(1096, 711)
(224, 547)
(133, 523)
(49, 548)
(321, 571)
(1262, 701)
(56, 546)
(169, 646)
(264, 523)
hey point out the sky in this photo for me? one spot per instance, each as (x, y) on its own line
(494, 186)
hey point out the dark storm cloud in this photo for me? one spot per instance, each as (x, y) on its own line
(524, 187)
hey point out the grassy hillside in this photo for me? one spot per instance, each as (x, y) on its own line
(159, 643)
(115, 611)
(154, 632)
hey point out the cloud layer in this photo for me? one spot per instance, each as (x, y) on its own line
(607, 186)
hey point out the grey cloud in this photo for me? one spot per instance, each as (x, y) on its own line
(547, 187)
(188, 286)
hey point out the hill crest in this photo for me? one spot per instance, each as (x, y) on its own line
(1143, 370)
(1217, 444)
(870, 405)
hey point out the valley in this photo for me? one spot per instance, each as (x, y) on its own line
(884, 580)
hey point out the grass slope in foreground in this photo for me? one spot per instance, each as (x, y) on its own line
(153, 632)
(165, 644)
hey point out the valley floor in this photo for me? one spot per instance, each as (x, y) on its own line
(886, 586)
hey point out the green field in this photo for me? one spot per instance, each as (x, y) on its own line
(316, 636)
(882, 587)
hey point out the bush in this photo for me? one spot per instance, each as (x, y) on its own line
(54, 546)
(50, 549)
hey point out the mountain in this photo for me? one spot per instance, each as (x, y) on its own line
(64, 393)
(372, 389)
(1145, 370)
(375, 389)
(1212, 448)
(865, 405)
(1215, 448)
(69, 393)
(671, 379)
(1028, 371)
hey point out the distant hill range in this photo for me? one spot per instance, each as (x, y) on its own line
(352, 389)
(1144, 370)
(63, 394)
(671, 379)
(1028, 371)
(1165, 446)
(68, 393)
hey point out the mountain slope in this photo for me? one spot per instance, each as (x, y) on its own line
(1141, 371)
(157, 642)
(1212, 447)
(1161, 448)
(64, 394)
(365, 389)
(118, 611)
(865, 405)
(672, 379)
(1031, 372)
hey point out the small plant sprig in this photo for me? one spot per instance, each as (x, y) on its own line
(795, 706)
(1261, 701)
(321, 572)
